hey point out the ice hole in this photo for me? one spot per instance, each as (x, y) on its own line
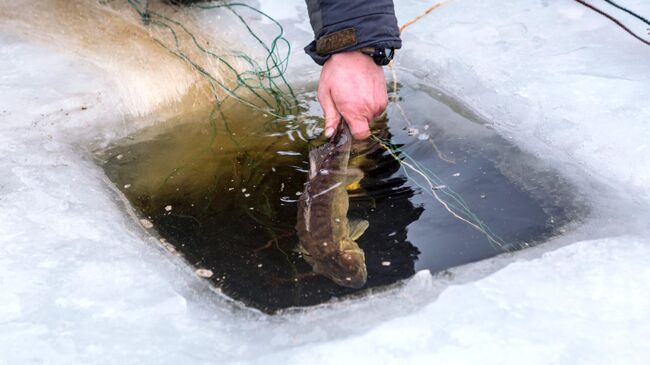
(222, 191)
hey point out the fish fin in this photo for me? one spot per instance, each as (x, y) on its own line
(301, 250)
(357, 228)
(353, 186)
(353, 177)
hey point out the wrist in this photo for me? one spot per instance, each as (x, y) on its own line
(379, 56)
(351, 58)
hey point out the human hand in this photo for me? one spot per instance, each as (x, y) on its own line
(352, 86)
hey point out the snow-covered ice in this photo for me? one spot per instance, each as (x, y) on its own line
(82, 282)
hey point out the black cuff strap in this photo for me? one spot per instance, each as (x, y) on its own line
(381, 56)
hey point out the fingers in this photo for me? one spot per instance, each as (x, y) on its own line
(382, 100)
(359, 127)
(362, 114)
(357, 123)
(332, 115)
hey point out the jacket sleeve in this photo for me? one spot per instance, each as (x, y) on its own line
(346, 25)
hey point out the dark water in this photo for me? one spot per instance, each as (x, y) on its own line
(223, 192)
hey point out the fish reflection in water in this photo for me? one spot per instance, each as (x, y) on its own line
(327, 237)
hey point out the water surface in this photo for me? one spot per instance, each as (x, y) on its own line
(221, 188)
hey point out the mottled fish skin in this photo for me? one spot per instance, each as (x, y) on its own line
(323, 227)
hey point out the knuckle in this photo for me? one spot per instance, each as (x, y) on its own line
(332, 118)
(381, 101)
(383, 104)
(359, 125)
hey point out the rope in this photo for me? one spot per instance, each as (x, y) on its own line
(628, 11)
(395, 100)
(616, 21)
(425, 13)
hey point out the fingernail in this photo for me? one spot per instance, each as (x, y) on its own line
(329, 132)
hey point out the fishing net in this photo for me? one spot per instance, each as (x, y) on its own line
(263, 87)
(259, 85)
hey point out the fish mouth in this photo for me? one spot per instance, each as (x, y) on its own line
(347, 268)
(357, 281)
(354, 280)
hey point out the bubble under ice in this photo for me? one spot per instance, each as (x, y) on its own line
(81, 283)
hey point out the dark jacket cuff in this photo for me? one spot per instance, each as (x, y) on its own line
(378, 30)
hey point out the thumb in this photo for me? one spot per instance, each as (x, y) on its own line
(332, 115)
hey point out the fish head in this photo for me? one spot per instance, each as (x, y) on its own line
(346, 267)
(332, 155)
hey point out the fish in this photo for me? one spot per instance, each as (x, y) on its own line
(327, 238)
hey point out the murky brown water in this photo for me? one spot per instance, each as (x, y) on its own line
(222, 190)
